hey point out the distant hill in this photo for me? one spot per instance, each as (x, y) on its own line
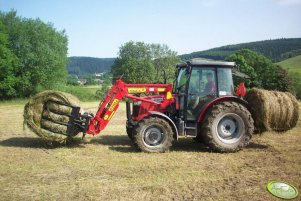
(89, 65)
(292, 64)
(277, 50)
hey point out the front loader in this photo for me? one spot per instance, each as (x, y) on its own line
(201, 105)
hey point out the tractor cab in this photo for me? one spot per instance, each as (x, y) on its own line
(198, 83)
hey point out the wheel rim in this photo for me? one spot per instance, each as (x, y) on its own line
(153, 136)
(230, 128)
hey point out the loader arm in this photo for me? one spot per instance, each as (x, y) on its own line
(122, 90)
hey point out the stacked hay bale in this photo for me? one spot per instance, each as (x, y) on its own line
(272, 110)
(44, 109)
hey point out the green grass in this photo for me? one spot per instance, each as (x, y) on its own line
(20, 101)
(110, 168)
(292, 64)
(84, 93)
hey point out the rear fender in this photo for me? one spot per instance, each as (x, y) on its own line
(169, 120)
(205, 109)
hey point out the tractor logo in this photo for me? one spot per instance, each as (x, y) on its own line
(136, 90)
(282, 190)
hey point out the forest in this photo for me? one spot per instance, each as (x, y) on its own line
(88, 65)
(276, 50)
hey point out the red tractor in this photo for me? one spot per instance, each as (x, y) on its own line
(202, 105)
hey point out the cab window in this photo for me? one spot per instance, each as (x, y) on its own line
(225, 82)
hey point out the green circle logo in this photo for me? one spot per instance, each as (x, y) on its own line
(282, 190)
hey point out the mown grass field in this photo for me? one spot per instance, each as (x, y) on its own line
(109, 168)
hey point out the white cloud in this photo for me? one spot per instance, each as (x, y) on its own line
(209, 3)
(289, 2)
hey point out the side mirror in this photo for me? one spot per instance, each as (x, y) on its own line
(241, 90)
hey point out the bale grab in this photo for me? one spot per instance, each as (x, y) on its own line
(45, 109)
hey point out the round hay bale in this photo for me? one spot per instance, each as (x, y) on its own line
(272, 110)
(295, 114)
(43, 107)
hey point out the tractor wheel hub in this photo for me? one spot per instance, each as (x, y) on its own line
(153, 136)
(230, 127)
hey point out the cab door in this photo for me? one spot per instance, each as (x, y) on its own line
(202, 88)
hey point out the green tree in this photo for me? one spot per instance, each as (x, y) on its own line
(243, 67)
(105, 86)
(283, 80)
(41, 51)
(8, 65)
(90, 79)
(165, 61)
(145, 63)
(134, 63)
(263, 73)
(72, 80)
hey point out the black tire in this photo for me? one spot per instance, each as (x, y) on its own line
(153, 134)
(228, 127)
(129, 131)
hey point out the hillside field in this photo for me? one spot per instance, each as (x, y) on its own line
(292, 64)
(109, 168)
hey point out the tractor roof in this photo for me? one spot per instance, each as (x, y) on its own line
(198, 62)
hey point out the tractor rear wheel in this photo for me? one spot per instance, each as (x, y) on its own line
(153, 134)
(228, 127)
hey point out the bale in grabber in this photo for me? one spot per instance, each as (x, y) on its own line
(49, 113)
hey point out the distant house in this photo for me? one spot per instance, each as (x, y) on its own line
(82, 81)
(98, 75)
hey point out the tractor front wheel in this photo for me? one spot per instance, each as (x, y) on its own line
(228, 127)
(130, 130)
(153, 134)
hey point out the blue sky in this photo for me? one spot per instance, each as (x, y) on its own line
(98, 28)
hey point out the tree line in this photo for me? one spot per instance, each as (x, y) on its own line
(276, 50)
(88, 65)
